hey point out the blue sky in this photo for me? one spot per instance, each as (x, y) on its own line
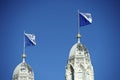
(54, 22)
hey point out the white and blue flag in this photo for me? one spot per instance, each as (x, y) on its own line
(29, 40)
(85, 19)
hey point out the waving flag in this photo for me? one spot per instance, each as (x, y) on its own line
(85, 19)
(29, 40)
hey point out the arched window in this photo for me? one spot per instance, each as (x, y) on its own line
(72, 72)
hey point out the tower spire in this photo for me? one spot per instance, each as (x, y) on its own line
(78, 35)
(23, 57)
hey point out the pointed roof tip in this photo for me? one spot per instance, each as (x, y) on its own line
(23, 57)
(78, 37)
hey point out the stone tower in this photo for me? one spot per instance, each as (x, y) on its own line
(79, 65)
(23, 71)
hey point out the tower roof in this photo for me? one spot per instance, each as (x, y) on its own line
(78, 49)
(23, 69)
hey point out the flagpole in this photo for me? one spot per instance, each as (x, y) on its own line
(78, 22)
(24, 44)
(24, 55)
(78, 35)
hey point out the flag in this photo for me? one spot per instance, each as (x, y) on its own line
(85, 19)
(29, 39)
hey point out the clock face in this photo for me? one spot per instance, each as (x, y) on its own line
(79, 47)
(77, 51)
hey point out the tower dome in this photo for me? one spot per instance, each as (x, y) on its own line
(79, 50)
(23, 71)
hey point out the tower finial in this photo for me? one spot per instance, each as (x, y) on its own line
(23, 57)
(78, 37)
